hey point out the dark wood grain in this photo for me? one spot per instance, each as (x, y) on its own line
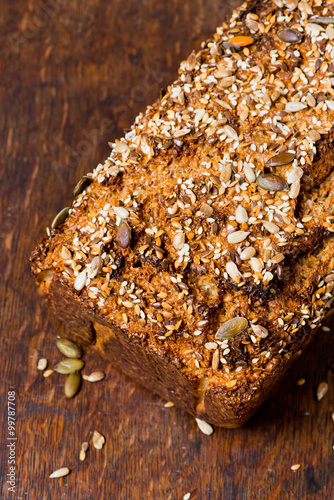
(73, 75)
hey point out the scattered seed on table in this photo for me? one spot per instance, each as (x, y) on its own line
(322, 390)
(85, 446)
(94, 377)
(98, 440)
(69, 365)
(82, 455)
(64, 471)
(72, 385)
(47, 373)
(169, 404)
(295, 467)
(204, 427)
(301, 381)
(42, 364)
(69, 348)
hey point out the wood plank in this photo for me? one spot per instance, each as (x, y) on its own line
(73, 75)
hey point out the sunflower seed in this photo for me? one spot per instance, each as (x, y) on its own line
(85, 446)
(233, 271)
(96, 376)
(69, 348)
(294, 175)
(121, 212)
(64, 471)
(179, 241)
(96, 265)
(330, 105)
(277, 258)
(72, 384)
(226, 173)
(294, 190)
(249, 173)
(169, 404)
(260, 331)
(227, 81)
(66, 253)
(330, 32)
(191, 61)
(241, 40)
(82, 185)
(247, 253)
(270, 226)
(123, 237)
(215, 360)
(241, 215)
(98, 440)
(272, 182)
(295, 467)
(323, 20)
(311, 100)
(230, 132)
(256, 264)
(294, 106)
(42, 364)
(232, 328)
(237, 236)
(204, 427)
(281, 159)
(80, 280)
(206, 210)
(289, 35)
(60, 218)
(69, 366)
(322, 390)
(82, 455)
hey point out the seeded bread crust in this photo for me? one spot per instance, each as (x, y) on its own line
(217, 204)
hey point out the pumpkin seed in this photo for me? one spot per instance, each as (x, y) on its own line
(289, 35)
(123, 237)
(272, 182)
(64, 471)
(69, 348)
(232, 328)
(72, 384)
(281, 159)
(69, 365)
(323, 20)
(241, 40)
(82, 185)
(60, 218)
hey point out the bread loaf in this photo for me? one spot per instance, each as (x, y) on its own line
(199, 257)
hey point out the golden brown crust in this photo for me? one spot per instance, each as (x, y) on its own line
(217, 204)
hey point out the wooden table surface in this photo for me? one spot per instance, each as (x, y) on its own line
(74, 73)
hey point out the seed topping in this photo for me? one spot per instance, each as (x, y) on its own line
(232, 328)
